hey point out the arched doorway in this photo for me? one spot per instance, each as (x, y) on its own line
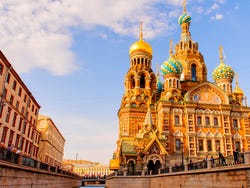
(131, 168)
(153, 167)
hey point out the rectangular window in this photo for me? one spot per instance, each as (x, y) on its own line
(25, 98)
(217, 145)
(4, 134)
(24, 128)
(216, 121)
(17, 140)
(237, 146)
(14, 85)
(177, 120)
(1, 68)
(11, 137)
(177, 144)
(20, 124)
(199, 121)
(7, 117)
(14, 120)
(201, 145)
(20, 92)
(235, 123)
(17, 105)
(209, 145)
(11, 99)
(207, 121)
(8, 78)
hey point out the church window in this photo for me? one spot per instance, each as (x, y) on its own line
(235, 123)
(215, 121)
(207, 121)
(209, 145)
(170, 83)
(201, 145)
(132, 82)
(237, 146)
(177, 120)
(193, 70)
(177, 144)
(217, 145)
(142, 81)
(199, 120)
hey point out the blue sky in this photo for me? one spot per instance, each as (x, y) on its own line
(73, 55)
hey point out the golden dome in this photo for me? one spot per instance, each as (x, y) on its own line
(238, 90)
(140, 45)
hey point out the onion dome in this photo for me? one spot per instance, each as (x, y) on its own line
(223, 71)
(238, 90)
(159, 86)
(171, 66)
(140, 45)
(184, 18)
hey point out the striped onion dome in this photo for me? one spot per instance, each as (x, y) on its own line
(171, 66)
(184, 18)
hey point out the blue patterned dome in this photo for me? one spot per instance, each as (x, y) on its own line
(223, 71)
(159, 87)
(184, 18)
(171, 66)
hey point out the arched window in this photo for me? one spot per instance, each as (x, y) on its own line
(193, 70)
(132, 86)
(170, 83)
(142, 81)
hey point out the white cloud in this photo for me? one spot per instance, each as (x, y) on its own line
(36, 34)
(217, 17)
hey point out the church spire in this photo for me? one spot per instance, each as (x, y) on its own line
(171, 48)
(221, 54)
(184, 4)
(141, 34)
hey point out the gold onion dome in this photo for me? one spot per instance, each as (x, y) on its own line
(223, 71)
(238, 90)
(141, 45)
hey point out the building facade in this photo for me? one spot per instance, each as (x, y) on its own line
(18, 112)
(51, 145)
(185, 116)
(87, 169)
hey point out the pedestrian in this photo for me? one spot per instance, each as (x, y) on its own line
(212, 161)
(236, 156)
(222, 159)
(9, 152)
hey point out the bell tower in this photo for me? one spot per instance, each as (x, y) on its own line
(140, 85)
(187, 52)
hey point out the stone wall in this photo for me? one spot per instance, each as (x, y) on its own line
(226, 177)
(24, 177)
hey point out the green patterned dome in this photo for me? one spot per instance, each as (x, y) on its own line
(171, 66)
(184, 18)
(223, 71)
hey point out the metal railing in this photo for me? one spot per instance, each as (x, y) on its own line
(20, 160)
(198, 165)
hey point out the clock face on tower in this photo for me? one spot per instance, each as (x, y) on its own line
(42, 125)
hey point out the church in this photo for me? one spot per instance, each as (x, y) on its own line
(185, 117)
